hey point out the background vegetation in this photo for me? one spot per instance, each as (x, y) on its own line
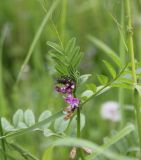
(19, 23)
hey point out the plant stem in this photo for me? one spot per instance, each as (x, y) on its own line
(138, 115)
(3, 142)
(78, 127)
(7, 154)
(105, 86)
(130, 40)
(123, 61)
(3, 106)
(63, 18)
(78, 123)
(131, 52)
(22, 151)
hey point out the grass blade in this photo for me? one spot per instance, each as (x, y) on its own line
(37, 36)
(121, 134)
(106, 49)
(81, 143)
(3, 105)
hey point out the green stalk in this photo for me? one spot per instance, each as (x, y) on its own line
(131, 53)
(22, 151)
(138, 115)
(78, 127)
(78, 123)
(3, 106)
(3, 142)
(123, 61)
(63, 18)
(130, 40)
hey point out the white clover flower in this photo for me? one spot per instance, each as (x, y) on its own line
(110, 111)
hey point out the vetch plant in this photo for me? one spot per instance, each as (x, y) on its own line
(67, 60)
(66, 126)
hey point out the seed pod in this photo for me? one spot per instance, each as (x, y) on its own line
(87, 150)
(73, 153)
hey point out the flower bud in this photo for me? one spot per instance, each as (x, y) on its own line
(73, 153)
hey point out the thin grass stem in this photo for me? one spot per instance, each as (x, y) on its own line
(63, 19)
(123, 61)
(36, 38)
(132, 58)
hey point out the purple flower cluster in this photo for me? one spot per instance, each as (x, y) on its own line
(66, 86)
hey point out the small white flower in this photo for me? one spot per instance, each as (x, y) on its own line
(110, 111)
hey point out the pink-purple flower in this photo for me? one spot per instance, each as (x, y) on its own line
(66, 85)
(74, 102)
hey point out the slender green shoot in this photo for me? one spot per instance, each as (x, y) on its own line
(36, 38)
(132, 57)
(63, 18)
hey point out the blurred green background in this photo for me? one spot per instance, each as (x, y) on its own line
(20, 19)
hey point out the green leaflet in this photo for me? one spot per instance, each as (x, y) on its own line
(106, 49)
(44, 115)
(138, 88)
(18, 117)
(102, 79)
(60, 124)
(110, 69)
(91, 86)
(66, 59)
(35, 126)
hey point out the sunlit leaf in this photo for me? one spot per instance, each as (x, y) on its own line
(91, 86)
(55, 46)
(60, 124)
(18, 117)
(106, 49)
(29, 117)
(6, 125)
(83, 78)
(46, 114)
(87, 94)
(102, 79)
(110, 69)
(48, 132)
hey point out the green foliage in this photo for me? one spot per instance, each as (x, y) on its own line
(97, 150)
(106, 49)
(66, 59)
(83, 78)
(48, 154)
(73, 124)
(29, 117)
(44, 115)
(18, 118)
(19, 131)
(60, 124)
(91, 86)
(138, 88)
(7, 127)
(62, 20)
(102, 79)
(110, 69)
(37, 36)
